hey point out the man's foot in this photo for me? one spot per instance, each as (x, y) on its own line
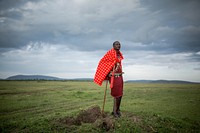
(116, 115)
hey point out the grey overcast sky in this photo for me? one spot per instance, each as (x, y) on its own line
(67, 38)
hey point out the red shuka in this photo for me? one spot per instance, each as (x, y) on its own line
(105, 65)
(116, 84)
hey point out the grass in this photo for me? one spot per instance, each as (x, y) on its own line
(36, 106)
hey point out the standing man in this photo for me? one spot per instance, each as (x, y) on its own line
(110, 68)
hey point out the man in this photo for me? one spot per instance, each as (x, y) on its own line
(110, 68)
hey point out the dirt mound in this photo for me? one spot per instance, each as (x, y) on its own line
(91, 115)
(106, 123)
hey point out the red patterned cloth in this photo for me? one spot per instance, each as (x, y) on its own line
(106, 65)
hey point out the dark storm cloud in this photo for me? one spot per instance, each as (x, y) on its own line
(18, 28)
(162, 26)
(6, 4)
(159, 39)
(178, 24)
(13, 33)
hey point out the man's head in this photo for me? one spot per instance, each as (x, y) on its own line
(116, 45)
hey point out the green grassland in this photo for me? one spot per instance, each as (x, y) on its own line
(37, 106)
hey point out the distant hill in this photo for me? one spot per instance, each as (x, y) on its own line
(43, 77)
(32, 77)
(162, 81)
(82, 79)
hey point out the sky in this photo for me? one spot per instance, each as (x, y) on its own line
(67, 38)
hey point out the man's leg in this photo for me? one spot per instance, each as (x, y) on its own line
(118, 106)
(114, 113)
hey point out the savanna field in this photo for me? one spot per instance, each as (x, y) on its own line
(46, 106)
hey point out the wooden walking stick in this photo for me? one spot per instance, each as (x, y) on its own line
(111, 85)
(104, 100)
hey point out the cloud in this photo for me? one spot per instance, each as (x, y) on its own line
(91, 23)
(36, 36)
(161, 72)
(44, 58)
(63, 21)
(59, 60)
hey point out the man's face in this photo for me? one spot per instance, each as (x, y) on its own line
(117, 46)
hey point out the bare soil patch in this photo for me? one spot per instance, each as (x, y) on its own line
(91, 115)
(94, 116)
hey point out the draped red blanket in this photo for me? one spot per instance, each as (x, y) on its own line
(105, 65)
